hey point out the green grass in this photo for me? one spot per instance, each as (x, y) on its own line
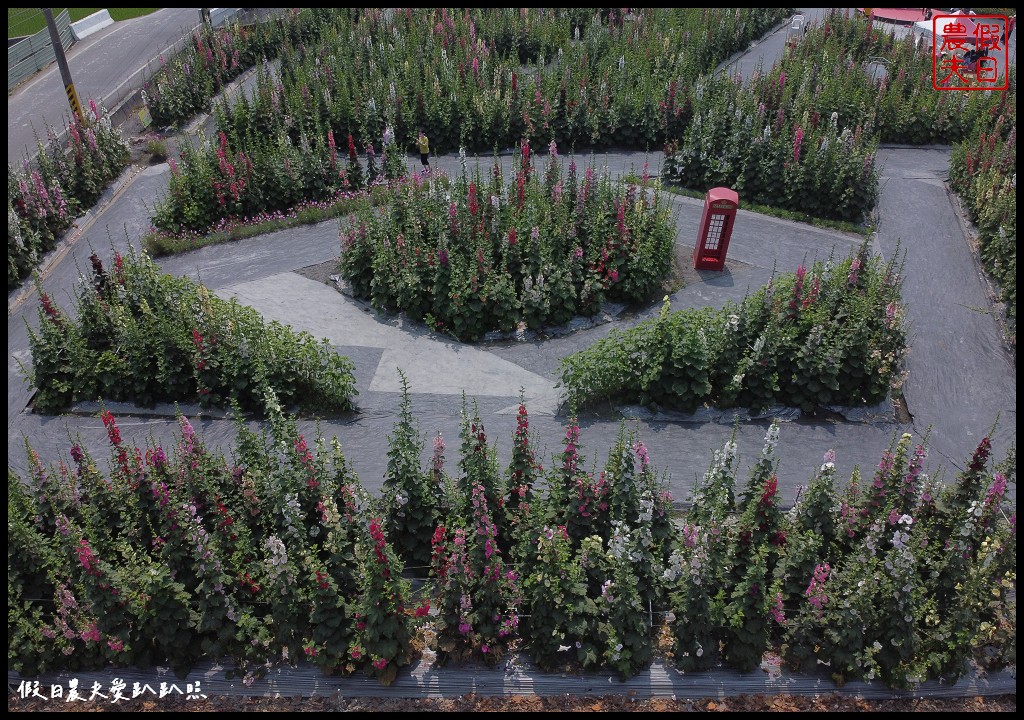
(27, 21)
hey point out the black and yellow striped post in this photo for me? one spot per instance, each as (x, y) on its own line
(62, 63)
(76, 106)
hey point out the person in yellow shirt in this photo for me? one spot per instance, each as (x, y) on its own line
(424, 146)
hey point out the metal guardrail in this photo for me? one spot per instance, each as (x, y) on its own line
(36, 52)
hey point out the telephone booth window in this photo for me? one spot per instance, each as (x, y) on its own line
(714, 232)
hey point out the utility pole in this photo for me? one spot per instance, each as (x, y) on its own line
(62, 63)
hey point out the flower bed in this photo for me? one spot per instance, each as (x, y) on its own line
(276, 147)
(487, 78)
(858, 69)
(831, 335)
(43, 201)
(277, 554)
(983, 169)
(803, 134)
(837, 68)
(185, 85)
(478, 255)
(144, 337)
(214, 196)
(753, 142)
(210, 185)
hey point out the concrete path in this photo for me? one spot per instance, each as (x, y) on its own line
(961, 377)
(430, 363)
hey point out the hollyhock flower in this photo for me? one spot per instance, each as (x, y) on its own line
(87, 558)
(111, 425)
(815, 592)
(776, 610)
(641, 453)
(854, 268)
(437, 461)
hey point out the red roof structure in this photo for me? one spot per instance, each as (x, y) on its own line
(901, 15)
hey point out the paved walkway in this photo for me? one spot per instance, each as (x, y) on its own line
(960, 375)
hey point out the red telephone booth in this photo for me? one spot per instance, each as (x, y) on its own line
(715, 229)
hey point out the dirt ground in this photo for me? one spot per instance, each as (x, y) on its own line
(520, 703)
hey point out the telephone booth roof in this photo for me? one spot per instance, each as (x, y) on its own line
(723, 193)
